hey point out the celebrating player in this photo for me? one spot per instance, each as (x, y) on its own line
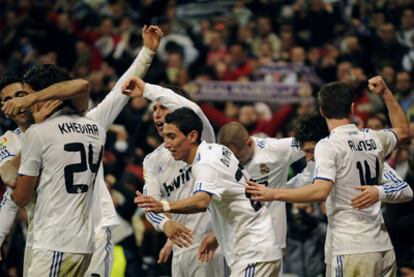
(171, 179)
(344, 159)
(244, 231)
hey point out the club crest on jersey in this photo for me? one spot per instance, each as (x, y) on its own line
(3, 142)
(264, 169)
(182, 178)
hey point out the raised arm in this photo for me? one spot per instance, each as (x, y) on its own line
(398, 119)
(136, 87)
(108, 110)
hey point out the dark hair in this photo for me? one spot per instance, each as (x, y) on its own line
(8, 80)
(335, 100)
(186, 121)
(310, 128)
(41, 76)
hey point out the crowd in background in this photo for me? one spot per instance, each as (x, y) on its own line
(348, 40)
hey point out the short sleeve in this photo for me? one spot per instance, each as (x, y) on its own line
(206, 181)
(388, 140)
(32, 147)
(325, 166)
(287, 147)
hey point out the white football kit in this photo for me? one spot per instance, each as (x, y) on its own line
(65, 151)
(103, 211)
(350, 157)
(244, 230)
(269, 166)
(172, 180)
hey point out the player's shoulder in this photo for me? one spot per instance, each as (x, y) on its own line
(209, 152)
(159, 155)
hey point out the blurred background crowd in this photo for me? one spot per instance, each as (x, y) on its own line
(311, 42)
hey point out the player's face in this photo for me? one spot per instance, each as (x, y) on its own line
(176, 142)
(23, 119)
(309, 147)
(159, 112)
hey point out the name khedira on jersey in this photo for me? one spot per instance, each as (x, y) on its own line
(72, 127)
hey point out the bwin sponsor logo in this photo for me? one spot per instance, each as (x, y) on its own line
(182, 178)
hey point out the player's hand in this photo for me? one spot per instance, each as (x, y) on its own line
(260, 192)
(207, 248)
(41, 112)
(378, 86)
(148, 203)
(17, 105)
(152, 35)
(178, 234)
(165, 252)
(133, 87)
(369, 196)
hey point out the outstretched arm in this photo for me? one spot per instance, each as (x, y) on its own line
(191, 205)
(108, 110)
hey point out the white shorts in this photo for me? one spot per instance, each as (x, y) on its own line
(28, 253)
(102, 256)
(259, 269)
(186, 264)
(375, 264)
(47, 263)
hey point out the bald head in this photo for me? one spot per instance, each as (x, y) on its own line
(235, 136)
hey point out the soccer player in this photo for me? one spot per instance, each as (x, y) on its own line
(67, 150)
(267, 161)
(348, 157)
(244, 231)
(308, 131)
(105, 113)
(171, 179)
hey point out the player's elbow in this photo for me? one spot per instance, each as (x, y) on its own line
(84, 86)
(203, 202)
(20, 201)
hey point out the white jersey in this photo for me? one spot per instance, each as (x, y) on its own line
(393, 189)
(66, 152)
(350, 157)
(244, 231)
(270, 166)
(11, 144)
(170, 179)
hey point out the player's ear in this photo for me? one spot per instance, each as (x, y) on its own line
(249, 142)
(320, 110)
(193, 136)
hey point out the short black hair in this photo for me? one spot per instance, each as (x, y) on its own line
(335, 100)
(8, 80)
(41, 76)
(186, 121)
(310, 128)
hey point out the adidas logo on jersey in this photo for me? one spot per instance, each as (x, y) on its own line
(178, 181)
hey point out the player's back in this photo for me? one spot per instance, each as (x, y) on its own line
(71, 150)
(357, 158)
(244, 229)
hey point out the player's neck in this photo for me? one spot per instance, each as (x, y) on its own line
(23, 127)
(334, 123)
(192, 154)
